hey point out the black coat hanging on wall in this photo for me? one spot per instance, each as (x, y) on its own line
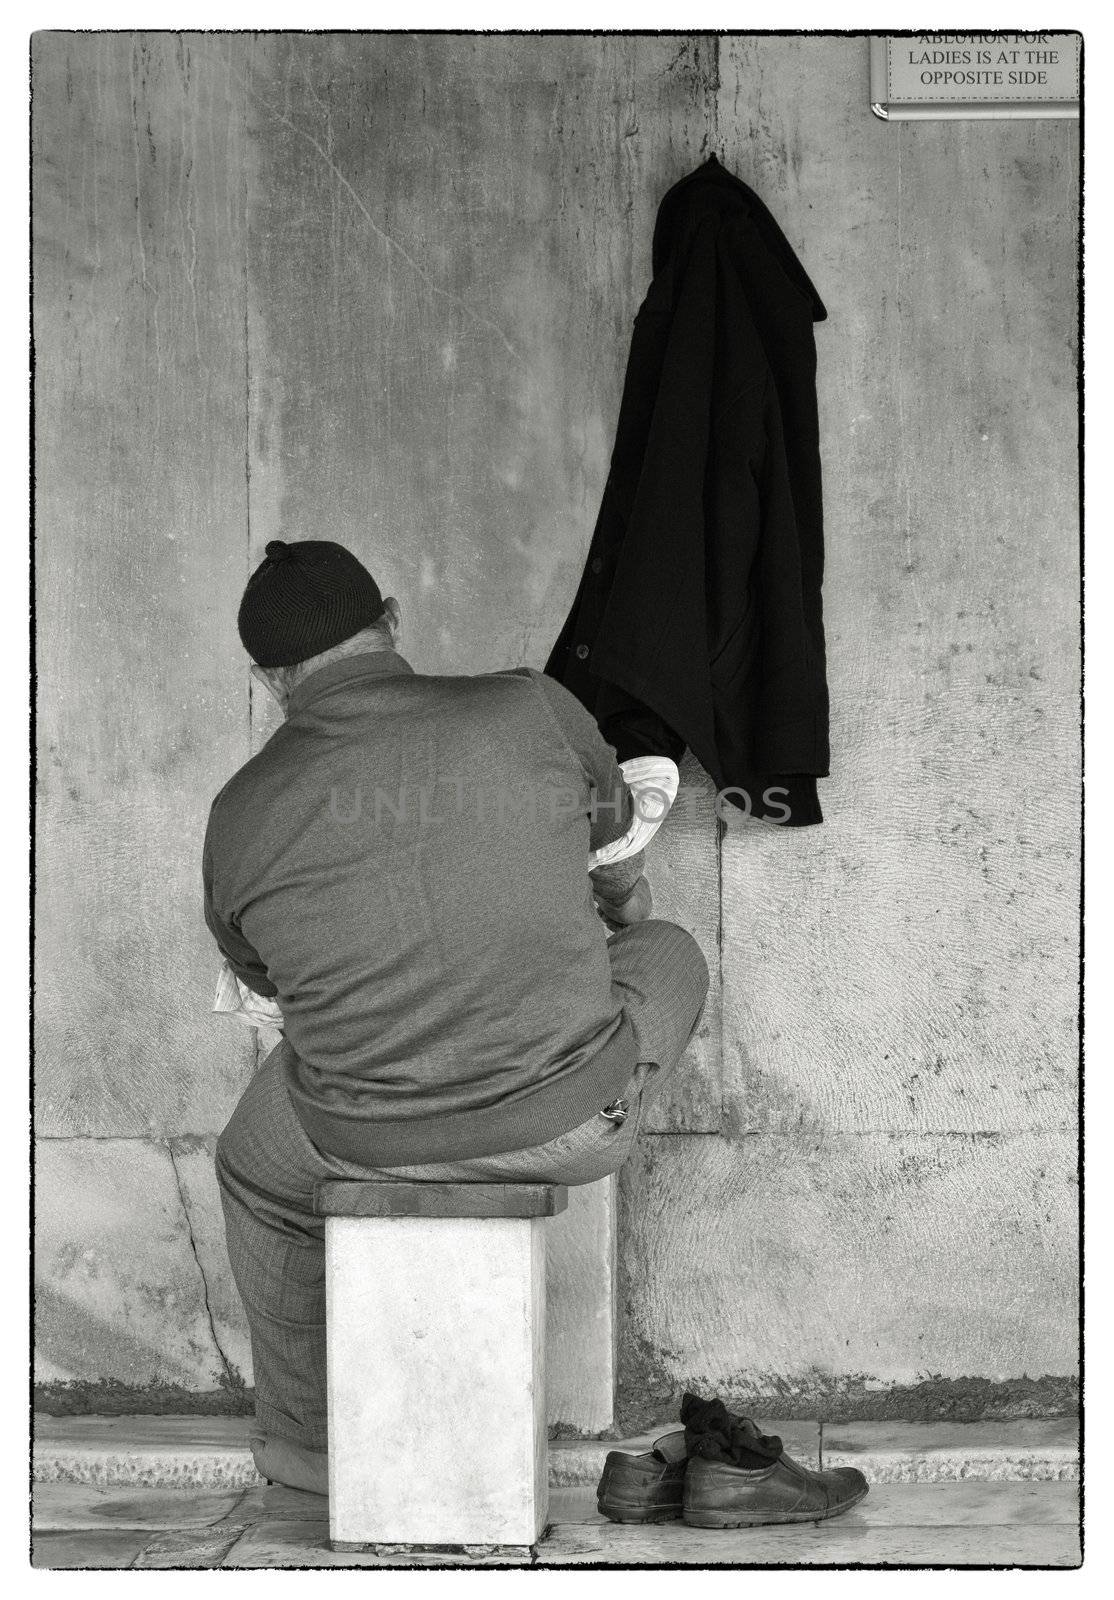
(698, 619)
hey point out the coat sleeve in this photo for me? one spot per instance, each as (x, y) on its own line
(763, 669)
(788, 723)
(651, 639)
(611, 800)
(240, 954)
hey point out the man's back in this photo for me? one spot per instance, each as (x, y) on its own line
(405, 865)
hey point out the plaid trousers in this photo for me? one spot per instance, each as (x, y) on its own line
(267, 1168)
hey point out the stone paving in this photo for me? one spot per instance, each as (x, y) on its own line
(181, 1492)
(974, 1523)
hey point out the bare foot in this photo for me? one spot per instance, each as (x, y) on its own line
(283, 1461)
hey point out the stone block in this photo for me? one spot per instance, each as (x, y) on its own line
(156, 1452)
(197, 1181)
(1040, 1451)
(844, 1268)
(436, 1351)
(121, 1294)
(580, 1310)
(142, 506)
(930, 982)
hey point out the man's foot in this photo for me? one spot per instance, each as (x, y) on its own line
(721, 1496)
(644, 1488)
(282, 1461)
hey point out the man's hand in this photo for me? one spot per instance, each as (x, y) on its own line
(635, 908)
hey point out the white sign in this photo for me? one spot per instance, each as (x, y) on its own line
(975, 75)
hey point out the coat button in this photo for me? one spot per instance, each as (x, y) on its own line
(582, 652)
(597, 564)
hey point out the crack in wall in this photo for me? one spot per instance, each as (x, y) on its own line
(392, 245)
(234, 1380)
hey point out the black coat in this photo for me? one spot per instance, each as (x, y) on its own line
(699, 610)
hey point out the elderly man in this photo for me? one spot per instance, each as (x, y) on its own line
(406, 867)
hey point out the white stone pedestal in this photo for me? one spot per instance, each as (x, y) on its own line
(580, 1310)
(436, 1377)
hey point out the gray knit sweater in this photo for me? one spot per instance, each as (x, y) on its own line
(404, 865)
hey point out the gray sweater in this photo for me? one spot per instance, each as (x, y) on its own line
(404, 866)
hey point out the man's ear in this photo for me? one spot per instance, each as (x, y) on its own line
(393, 611)
(272, 681)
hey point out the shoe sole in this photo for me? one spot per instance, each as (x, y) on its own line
(629, 1511)
(731, 1519)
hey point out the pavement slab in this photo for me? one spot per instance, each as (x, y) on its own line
(92, 1506)
(972, 1503)
(286, 1542)
(839, 1543)
(73, 1547)
(1031, 1523)
(190, 1547)
(271, 1502)
(921, 1505)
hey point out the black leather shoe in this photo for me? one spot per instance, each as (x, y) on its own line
(644, 1488)
(721, 1496)
(739, 1477)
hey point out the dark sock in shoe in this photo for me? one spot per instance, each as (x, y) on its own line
(717, 1434)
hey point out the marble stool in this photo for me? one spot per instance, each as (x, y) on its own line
(435, 1312)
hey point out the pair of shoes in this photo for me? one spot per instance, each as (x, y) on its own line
(721, 1473)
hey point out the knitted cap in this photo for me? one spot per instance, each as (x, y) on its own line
(304, 598)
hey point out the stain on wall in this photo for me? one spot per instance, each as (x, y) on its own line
(381, 289)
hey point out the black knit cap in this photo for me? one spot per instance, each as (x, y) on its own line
(304, 598)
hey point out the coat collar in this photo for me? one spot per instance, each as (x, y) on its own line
(369, 664)
(711, 176)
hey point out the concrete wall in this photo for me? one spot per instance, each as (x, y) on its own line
(381, 290)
